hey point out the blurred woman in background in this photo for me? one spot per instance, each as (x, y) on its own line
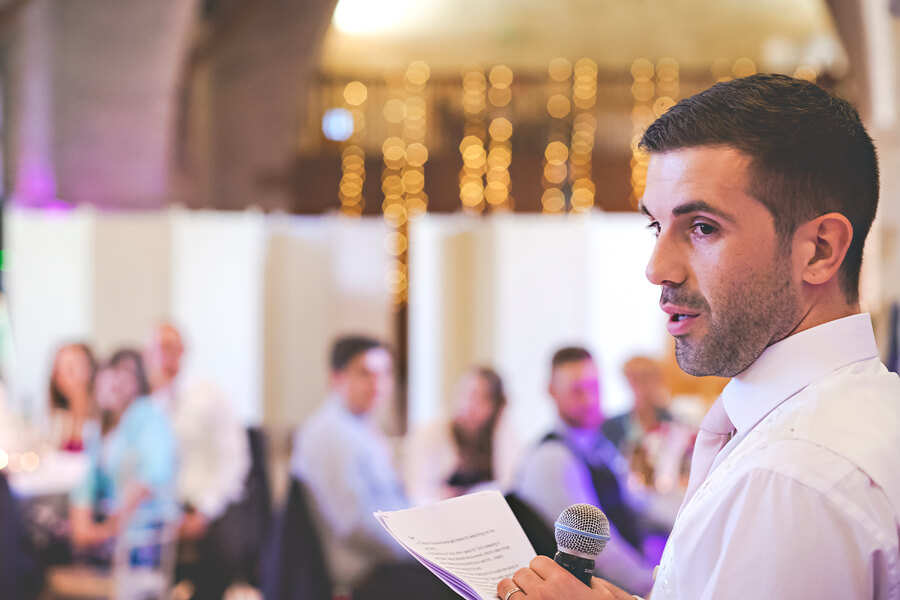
(71, 405)
(446, 459)
(129, 486)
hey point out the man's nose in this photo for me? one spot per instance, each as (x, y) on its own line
(666, 266)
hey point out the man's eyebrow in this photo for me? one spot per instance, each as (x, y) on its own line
(700, 206)
(643, 208)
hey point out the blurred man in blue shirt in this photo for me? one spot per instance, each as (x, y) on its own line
(343, 458)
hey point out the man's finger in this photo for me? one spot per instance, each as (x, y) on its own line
(546, 567)
(527, 579)
(616, 592)
(504, 586)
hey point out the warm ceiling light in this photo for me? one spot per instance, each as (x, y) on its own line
(553, 200)
(355, 93)
(743, 67)
(642, 69)
(416, 154)
(560, 69)
(556, 153)
(667, 69)
(558, 106)
(373, 16)
(500, 129)
(662, 104)
(501, 76)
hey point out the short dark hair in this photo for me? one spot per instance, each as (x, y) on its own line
(569, 354)
(348, 347)
(809, 152)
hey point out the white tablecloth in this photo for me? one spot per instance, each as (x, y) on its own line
(57, 473)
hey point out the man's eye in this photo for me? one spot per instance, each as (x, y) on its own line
(704, 228)
(654, 227)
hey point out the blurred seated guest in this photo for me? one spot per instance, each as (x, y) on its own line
(576, 463)
(129, 486)
(448, 458)
(213, 450)
(651, 403)
(342, 457)
(656, 445)
(71, 406)
(213, 463)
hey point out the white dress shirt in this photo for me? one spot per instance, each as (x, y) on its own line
(553, 478)
(213, 448)
(345, 462)
(803, 502)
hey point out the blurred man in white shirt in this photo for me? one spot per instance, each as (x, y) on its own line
(213, 457)
(213, 451)
(761, 192)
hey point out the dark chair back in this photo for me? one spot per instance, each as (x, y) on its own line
(538, 532)
(232, 548)
(293, 563)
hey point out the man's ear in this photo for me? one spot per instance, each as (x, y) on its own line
(334, 378)
(824, 242)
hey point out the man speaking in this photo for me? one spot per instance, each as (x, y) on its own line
(761, 192)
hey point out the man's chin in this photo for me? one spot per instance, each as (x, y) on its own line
(686, 354)
(701, 362)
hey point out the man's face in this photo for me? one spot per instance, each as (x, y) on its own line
(646, 382)
(575, 386)
(367, 380)
(164, 354)
(727, 281)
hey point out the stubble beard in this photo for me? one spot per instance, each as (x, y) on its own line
(748, 317)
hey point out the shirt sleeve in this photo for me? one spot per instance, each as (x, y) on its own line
(83, 494)
(214, 451)
(349, 485)
(773, 537)
(554, 479)
(155, 450)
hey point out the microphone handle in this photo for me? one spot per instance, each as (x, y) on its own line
(582, 568)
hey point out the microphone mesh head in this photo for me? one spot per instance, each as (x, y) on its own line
(582, 528)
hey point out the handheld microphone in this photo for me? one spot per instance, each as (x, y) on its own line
(582, 532)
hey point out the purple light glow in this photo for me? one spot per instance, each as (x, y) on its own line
(35, 183)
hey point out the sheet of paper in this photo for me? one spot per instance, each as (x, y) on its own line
(470, 542)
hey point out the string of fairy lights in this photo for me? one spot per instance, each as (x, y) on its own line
(581, 149)
(486, 147)
(403, 172)
(353, 157)
(499, 156)
(553, 178)
(471, 148)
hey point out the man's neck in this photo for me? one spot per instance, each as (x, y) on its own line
(824, 310)
(161, 383)
(646, 415)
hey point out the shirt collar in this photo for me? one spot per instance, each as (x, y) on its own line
(788, 366)
(339, 405)
(584, 438)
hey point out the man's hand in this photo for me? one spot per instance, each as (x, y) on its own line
(546, 580)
